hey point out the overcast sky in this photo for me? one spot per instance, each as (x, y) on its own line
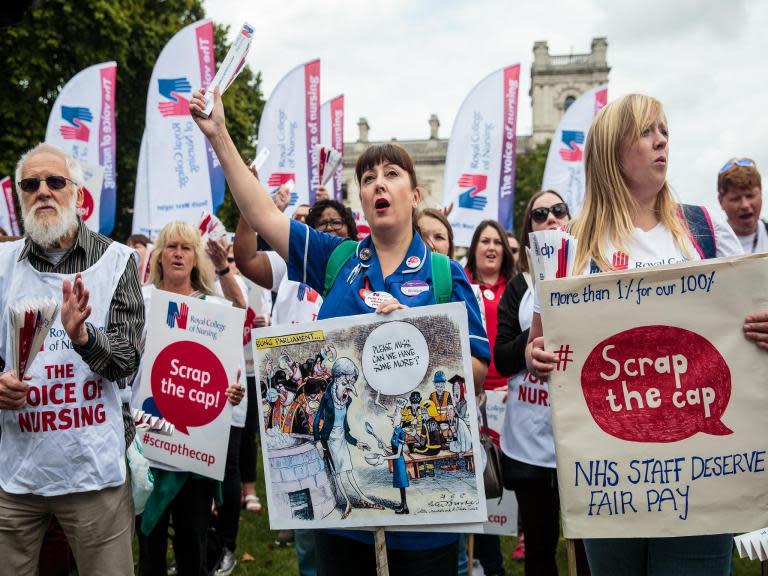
(399, 61)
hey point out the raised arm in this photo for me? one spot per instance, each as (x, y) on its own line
(252, 263)
(252, 199)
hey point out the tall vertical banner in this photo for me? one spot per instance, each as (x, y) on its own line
(289, 128)
(480, 164)
(183, 177)
(140, 223)
(564, 172)
(8, 220)
(332, 134)
(82, 122)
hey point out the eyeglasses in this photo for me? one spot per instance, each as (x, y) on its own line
(559, 211)
(334, 225)
(31, 185)
(739, 162)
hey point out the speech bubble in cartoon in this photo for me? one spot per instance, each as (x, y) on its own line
(657, 384)
(395, 358)
(188, 385)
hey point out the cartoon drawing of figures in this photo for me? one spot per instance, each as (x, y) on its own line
(331, 430)
(440, 397)
(309, 398)
(285, 406)
(397, 448)
(291, 368)
(324, 360)
(266, 405)
(462, 438)
(425, 430)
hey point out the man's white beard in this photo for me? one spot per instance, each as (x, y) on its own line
(44, 232)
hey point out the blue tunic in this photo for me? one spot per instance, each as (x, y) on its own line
(399, 473)
(308, 254)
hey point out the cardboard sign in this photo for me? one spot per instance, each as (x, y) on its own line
(192, 355)
(396, 381)
(658, 400)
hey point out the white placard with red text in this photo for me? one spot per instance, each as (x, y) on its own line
(192, 354)
(658, 400)
(8, 220)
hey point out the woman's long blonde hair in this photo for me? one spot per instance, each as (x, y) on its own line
(202, 269)
(608, 203)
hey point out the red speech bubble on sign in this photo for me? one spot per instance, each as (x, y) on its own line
(657, 384)
(188, 385)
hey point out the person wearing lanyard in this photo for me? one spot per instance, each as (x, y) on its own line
(389, 270)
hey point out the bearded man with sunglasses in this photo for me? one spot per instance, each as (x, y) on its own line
(739, 191)
(63, 428)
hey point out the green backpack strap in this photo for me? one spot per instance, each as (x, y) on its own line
(339, 257)
(441, 278)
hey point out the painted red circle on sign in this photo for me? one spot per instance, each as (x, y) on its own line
(86, 210)
(188, 385)
(657, 384)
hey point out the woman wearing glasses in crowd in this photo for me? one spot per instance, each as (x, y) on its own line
(389, 262)
(527, 445)
(631, 217)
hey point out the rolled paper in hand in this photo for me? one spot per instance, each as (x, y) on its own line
(328, 160)
(30, 321)
(231, 67)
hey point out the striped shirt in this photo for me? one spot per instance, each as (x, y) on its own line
(114, 353)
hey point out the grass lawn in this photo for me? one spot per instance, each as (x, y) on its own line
(257, 540)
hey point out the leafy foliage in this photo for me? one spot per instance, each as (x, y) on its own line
(58, 38)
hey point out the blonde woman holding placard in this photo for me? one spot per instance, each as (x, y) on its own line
(631, 219)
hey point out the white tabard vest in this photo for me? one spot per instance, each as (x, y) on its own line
(527, 433)
(70, 435)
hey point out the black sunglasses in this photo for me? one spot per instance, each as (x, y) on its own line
(230, 259)
(31, 185)
(559, 211)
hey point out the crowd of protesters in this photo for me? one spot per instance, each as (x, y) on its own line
(274, 267)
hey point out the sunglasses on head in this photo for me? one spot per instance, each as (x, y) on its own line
(559, 211)
(32, 184)
(740, 162)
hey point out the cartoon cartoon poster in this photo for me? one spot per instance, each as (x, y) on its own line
(502, 512)
(370, 421)
(192, 354)
(658, 400)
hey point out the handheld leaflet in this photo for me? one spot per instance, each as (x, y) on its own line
(328, 160)
(231, 67)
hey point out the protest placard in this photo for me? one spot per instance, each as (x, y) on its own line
(658, 400)
(192, 354)
(370, 421)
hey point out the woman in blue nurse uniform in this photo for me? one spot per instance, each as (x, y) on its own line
(391, 269)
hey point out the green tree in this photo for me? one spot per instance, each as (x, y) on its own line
(528, 176)
(59, 38)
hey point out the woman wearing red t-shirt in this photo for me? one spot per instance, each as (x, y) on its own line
(489, 266)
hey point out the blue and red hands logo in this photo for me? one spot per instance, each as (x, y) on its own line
(571, 151)
(171, 89)
(75, 116)
(306, 293)
(278, 179)
(473, 197)
(177, 315)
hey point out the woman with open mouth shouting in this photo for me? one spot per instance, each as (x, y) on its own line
(389, 270)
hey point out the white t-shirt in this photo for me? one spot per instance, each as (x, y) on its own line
(657, 247)
(756, 242)
(295, 302)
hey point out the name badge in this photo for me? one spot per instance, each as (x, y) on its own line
(414, 287)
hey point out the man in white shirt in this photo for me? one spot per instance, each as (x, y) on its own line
(739, 191)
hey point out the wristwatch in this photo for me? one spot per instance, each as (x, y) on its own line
(223, 271)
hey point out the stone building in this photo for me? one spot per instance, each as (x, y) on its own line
(556, 81)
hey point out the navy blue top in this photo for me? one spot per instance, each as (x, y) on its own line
(308, 254)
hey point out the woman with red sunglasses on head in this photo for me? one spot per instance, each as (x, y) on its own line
(631, 219)
(527, 445)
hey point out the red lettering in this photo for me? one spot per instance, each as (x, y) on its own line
(48, 420)
(59, 371)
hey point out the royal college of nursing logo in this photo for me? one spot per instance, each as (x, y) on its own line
(177, 315)
(570, 150)
(171, 89)
(75, 127)
(277, 179)
(473, 186)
